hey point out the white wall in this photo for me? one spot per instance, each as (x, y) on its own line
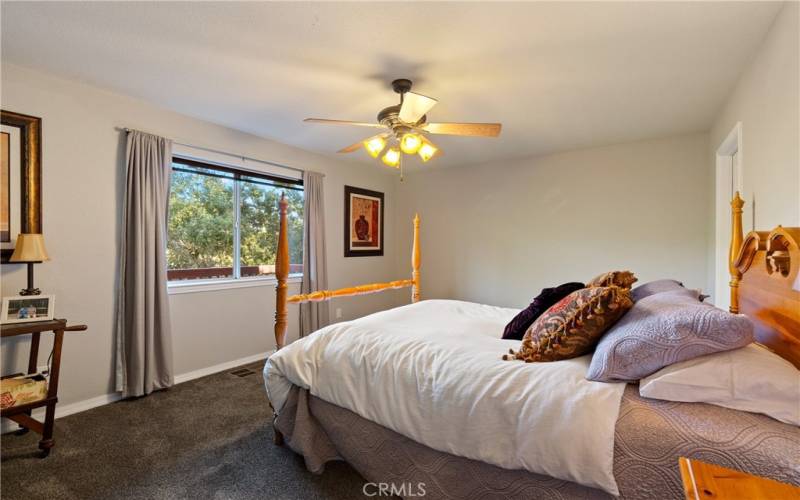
(498, 233)
(766, 100)
(83, 179)
(494, 233)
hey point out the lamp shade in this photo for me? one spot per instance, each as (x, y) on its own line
(29, 248)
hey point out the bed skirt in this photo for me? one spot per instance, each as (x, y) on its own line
(650, 436)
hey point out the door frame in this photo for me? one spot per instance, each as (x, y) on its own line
(728, 179)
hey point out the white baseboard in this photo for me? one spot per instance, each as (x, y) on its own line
(62, 410)
(202, 372)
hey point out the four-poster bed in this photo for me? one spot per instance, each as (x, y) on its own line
(394, 434)
(282, 273)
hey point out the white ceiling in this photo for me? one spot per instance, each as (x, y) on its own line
(559, 76)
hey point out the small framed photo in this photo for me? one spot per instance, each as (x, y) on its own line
(363, 222)
(27, 308)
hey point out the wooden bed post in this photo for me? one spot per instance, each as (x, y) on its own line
(736, 244)
(416, 259)
(281, 273)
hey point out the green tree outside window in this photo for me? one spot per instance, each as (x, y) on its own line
(202, 220)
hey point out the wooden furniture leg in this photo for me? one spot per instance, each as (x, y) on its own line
(47, 441)
(281, 273)
(33, 361)
(277, 436)
(22, 414)
(416, 261)
(736, 243)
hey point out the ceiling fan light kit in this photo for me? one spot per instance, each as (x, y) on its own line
(410, 143)
(408, 128)
(427, 151)
(375, 145)
(392, 157)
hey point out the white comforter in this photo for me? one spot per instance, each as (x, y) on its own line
(432, 371)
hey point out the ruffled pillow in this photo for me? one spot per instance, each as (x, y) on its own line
(516, 328)
(573, 326)
(622, 279)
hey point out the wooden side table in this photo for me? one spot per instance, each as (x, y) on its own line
(22, 414)
(703, 481)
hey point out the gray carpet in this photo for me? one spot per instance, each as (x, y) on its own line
(208, 438)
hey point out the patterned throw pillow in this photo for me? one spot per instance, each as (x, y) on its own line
(622, 279)
(663, 329)
(573, 326)
(516, 328)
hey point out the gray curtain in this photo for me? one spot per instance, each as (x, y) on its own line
(313, 315)
(144, 338)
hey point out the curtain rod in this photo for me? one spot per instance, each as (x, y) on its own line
(126, 129)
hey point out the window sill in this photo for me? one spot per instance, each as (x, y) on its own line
(195, 286)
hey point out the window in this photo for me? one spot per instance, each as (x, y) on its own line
(223, 223)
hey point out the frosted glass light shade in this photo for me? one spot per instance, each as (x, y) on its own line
(427, 151)
(374, 146)
(410, 143)
(392, 157)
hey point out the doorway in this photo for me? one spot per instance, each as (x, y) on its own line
(728, 181)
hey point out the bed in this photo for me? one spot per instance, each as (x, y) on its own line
(418, 397)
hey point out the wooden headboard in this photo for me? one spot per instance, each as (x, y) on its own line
(765, 283)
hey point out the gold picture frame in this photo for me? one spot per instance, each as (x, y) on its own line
(23, 172)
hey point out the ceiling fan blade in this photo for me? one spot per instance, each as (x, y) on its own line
(343, 122)
(472, 129)
(360, 144)
(415, 106)
(352, 147)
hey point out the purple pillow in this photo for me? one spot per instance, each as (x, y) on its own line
(663, 329)
(661, 286)
(654, 287)
(516, 328)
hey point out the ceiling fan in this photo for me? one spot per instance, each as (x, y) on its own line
(406, 128)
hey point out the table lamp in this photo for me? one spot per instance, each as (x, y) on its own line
(29, 248)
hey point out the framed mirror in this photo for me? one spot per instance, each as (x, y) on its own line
(20, 178)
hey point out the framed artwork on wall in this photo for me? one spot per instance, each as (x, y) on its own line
(20, 178)
(363, 222)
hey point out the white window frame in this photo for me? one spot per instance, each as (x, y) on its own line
(194, 286)
(245, 165)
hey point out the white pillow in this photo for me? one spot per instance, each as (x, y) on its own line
(750, 378)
